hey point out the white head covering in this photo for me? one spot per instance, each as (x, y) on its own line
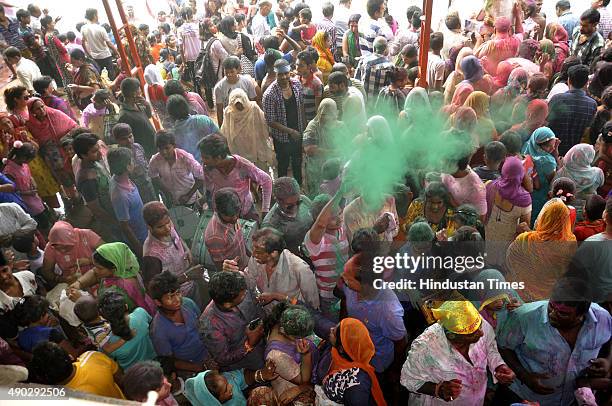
(153, 76)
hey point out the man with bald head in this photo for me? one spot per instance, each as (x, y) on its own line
(374, 69)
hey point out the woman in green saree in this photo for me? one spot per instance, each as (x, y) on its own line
(116, 268)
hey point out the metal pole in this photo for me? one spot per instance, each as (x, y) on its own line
(424, 42)
(125, 64)
(131, 44)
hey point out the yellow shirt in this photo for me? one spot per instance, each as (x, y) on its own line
(94, 374)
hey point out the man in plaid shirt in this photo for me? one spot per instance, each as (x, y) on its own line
(373, 70)
(327, 25)
(283, 106)
(587, 43)
(573, 111)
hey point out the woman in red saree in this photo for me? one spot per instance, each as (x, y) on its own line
(48, 126)
(12, 128)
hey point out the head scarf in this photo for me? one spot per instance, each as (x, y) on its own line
(457, 75)
(517, 82)
(479, 102)
(528, 49)
(53, 127)
(417, 105)
(558, 35)
(453, 53)
(548, 47)
(537, 111)
(379, 130)
(62, 233)
(509, 184)
(358, 345)
(463, 53)
(155, 84)
(462, 92)
(459, 317)
(327, 107)
(533, 148)
(126, 264)
(485, 297)
(198, 394)
(326, 59)
(354, 113)
(246, 130)
(577, 167)
(502, 25)
(472, 69)
(537, 88)
(553, 224)
(464, 118)
(504, 69)
(153, 76)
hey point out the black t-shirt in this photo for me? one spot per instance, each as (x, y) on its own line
(143, 130)
(291, 111)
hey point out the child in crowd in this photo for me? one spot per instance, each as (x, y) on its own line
(125, 199)
(40, 326)
(122, 134)
(98, 113)
(98, 330)
(174, 329)
(16, 168)
(307, 28)
(494, 154)
(26, 243)
(593, 222)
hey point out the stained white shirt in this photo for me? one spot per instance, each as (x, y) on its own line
(432, 358)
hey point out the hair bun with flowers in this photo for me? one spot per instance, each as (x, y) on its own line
(17, 144)
(564, 195)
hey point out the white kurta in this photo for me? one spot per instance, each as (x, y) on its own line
(433, 359)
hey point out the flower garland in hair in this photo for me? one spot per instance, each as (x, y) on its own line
(564, 196)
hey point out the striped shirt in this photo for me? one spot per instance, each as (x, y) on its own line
(11, 34)
(328, 258)
(370, 29)
(189, 39)
(312, 89)
(329, 27)
(225, 241)
(240, 178)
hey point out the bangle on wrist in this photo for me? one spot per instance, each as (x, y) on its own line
(247, 347)
(437, 390)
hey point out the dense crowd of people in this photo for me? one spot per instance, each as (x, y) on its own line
(307, 156)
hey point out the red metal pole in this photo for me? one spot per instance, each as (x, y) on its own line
(125, 64)
(424, 41)
(131, 44)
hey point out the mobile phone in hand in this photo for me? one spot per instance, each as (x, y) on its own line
(253, 324)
